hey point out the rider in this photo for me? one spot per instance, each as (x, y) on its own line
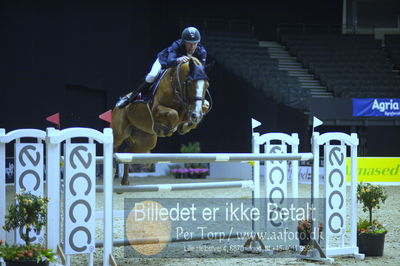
(178, 52)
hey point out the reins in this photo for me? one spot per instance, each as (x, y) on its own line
(180, 93)
(211, 102)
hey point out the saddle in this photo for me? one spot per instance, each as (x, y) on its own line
(142, 105)
(147, 97)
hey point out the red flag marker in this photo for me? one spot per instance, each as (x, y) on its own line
(107, 116)
(55, 119)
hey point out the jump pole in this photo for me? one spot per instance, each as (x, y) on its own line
(143, 241)
(207, 157)
(180, 187)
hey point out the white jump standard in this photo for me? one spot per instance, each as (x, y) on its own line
(80, 182)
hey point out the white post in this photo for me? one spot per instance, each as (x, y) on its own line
(256, 168)
(255, 194)
(91, 259)
(2, 184)
(315, 185)
(108, 195)
(315, 173)
(353, 192)
(53, 190)
(295, 168)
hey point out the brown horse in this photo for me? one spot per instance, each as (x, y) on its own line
(178, 105)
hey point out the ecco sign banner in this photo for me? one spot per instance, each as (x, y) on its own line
(335, 185)
(276, 180)
(80, 198)
(29, 178)
(376, 107)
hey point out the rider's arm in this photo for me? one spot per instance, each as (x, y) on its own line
(173, 54)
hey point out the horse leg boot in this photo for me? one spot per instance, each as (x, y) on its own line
(127, 99)
(125, 178)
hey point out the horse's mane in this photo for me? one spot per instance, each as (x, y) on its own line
(199, 71)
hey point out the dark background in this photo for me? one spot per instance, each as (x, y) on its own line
(79, 57)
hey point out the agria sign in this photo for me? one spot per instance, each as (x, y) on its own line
(376, 107)
(385, 105)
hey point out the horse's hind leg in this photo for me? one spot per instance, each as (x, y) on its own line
(140, 142)
(128, 149)
(120, 126)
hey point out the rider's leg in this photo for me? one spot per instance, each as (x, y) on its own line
(150, 78)
(155, 70)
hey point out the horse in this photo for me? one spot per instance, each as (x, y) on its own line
(178, 105)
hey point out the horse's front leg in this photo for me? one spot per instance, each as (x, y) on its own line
(165, 120)
(185, 127)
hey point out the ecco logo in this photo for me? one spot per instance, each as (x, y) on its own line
(335, 184)
(29, 176)
(277, 180)
(79, 190)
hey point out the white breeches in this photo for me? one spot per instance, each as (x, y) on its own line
(155, 70)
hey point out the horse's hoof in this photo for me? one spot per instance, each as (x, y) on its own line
(180, 131)
(125, 182)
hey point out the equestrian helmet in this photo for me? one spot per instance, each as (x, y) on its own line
(191, 35)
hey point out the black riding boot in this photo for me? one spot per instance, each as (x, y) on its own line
(127, 99)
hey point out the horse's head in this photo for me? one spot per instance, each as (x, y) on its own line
(195, 87)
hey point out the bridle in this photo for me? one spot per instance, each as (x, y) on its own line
(182, 93)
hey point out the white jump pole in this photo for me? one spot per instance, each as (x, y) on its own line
(179, 187)
(207, 157)
(142, 241)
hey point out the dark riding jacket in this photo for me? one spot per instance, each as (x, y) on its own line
(168, 56)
